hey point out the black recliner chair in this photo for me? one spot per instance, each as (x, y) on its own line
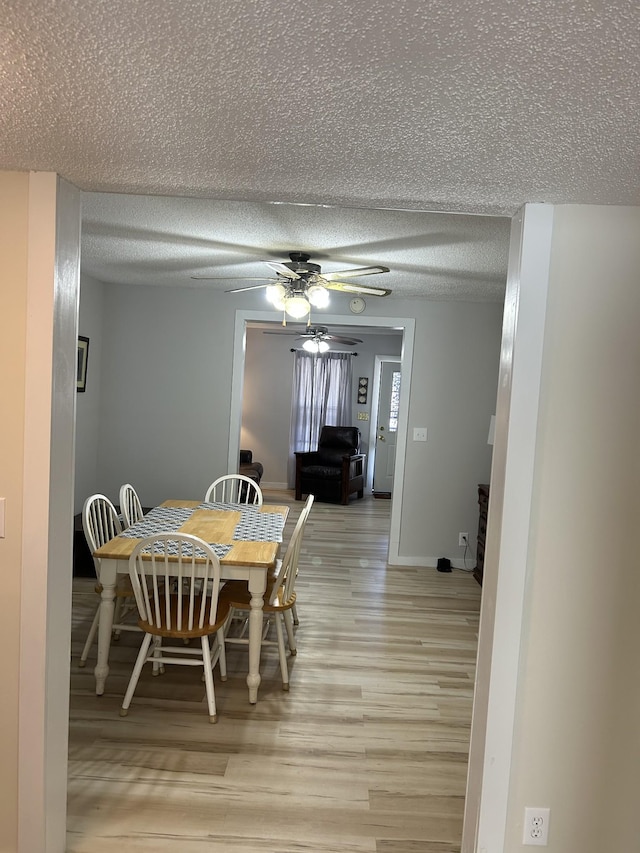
(335, 470)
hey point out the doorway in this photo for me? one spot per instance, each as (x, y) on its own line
(403, 325)
(383, 436)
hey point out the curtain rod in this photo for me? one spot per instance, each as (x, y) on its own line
(345, 352)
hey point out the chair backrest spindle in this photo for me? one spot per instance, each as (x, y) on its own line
(288, 572)
(130, 505)
(100, 523)
(176, 581)
(234, 489)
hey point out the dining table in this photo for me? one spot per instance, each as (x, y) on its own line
(245, 538)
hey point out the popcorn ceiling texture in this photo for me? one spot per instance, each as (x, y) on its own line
(473, 106)
(477, 105)
(163, 241)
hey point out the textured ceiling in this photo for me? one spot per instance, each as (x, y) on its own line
(474, 106)
(165, 240)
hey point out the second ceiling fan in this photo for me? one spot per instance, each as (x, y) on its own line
(300, 284)
(317, 338)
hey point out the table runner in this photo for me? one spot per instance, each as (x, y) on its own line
(158, 520)
(173, 548)
(254, 525)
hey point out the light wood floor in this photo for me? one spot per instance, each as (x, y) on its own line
(366, 753)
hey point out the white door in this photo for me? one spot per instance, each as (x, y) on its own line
(386, 427)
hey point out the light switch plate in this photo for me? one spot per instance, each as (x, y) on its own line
(419, 433)
(2, 502)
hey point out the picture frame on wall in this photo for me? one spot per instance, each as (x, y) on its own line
(83, 357)
(363, 387)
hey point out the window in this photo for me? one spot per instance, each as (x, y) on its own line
(321, 395)
(394, 407)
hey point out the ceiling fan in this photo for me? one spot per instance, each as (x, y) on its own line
(318, 339)
(299, 284)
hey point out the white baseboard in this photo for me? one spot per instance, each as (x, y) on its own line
(394, 560)
(277, 487)
(428, 563)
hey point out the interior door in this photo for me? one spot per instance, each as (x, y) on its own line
(387, 427)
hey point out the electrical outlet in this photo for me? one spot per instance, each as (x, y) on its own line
(536, 827)
(463, 539)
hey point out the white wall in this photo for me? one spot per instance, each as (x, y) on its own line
(571, 743)
(509, 518)
(576, 746)
(166, 390)
(88, 403)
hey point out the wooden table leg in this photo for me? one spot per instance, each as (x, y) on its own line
(107, 599)
(257, 586)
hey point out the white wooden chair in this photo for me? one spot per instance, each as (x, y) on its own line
(279, 597)
(100, 523)
(176, 582)
(234, 489)
(130, 506)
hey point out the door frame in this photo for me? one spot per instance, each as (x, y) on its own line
(375, 399)
(45, 816)
(406, 325)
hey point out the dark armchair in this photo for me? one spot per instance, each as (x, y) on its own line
(335, 470)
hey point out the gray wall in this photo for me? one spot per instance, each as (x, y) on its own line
(88, 403)
(166, 390)
(453, 394)
(266, 402)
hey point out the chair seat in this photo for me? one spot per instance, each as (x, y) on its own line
(236, 594)
(326, 472)
(161, 630)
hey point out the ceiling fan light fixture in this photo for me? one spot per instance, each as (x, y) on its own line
(318, 296)
(297, 306)
(314, 345)
(276, 294)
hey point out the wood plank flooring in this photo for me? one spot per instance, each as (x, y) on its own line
(367, 752)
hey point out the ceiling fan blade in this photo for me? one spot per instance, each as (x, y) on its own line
(281, 269)
(339, 340)
(331, 276)
(285, 332)
(249, 287)
(362, 289)
(230, 278)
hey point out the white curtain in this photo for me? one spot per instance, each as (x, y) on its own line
(321, 395)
